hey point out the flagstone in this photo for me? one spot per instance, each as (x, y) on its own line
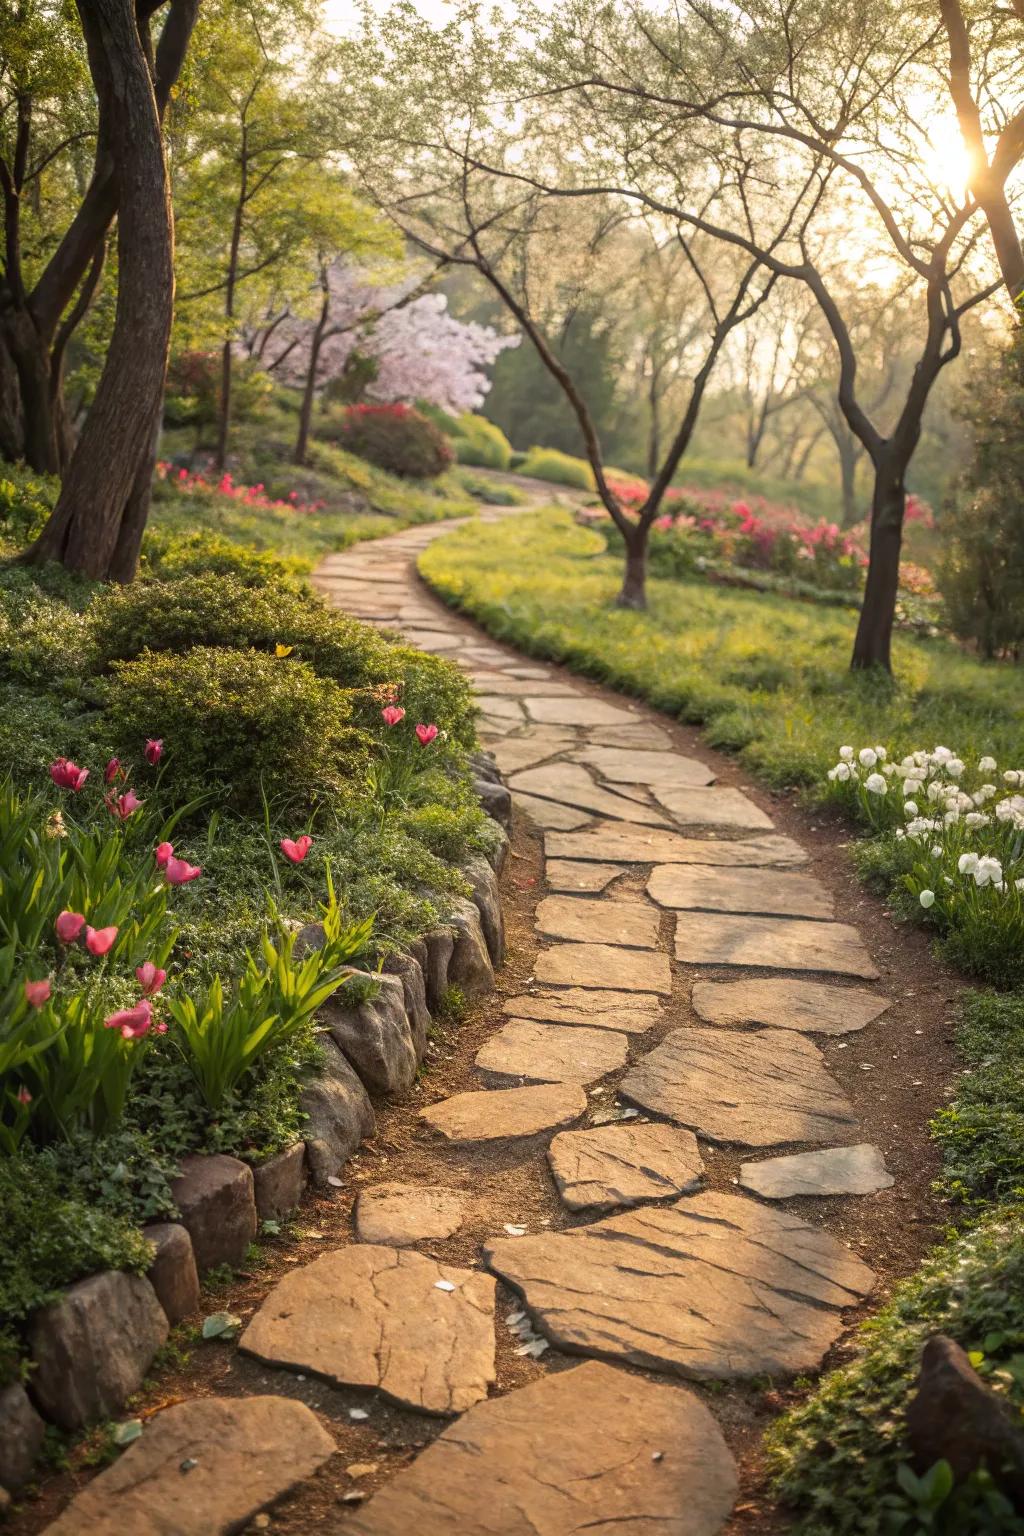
(552, 1053)
(614, 1165)
(492, 1114)
(632, 1012)
(598, 922)
(700, 807)
(570, 875)
(712, 1287)
(615, 843)
(582, 710)
(785, 1002)
(604, 965)
(570, 784)
(505, 709)
(788, 943)
(626, 765)
(401, 1214)
(698, 886)
(549, 815)
(637, 734)
(518, 752)
(513, 687)
(755, 1090)
(858, 1170)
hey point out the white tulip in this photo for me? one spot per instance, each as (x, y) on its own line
(910, 807)
(936, 851)
(875, 784)
(927, 899)
(846, 754)
(967, 863)
(987, 765)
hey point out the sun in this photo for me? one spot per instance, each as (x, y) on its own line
(945, 160)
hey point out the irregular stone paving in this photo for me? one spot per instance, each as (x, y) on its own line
(685, 1280)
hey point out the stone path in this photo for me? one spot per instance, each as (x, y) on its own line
(615, 1068)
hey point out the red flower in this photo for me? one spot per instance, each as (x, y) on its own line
(111, 771)
(150, 978)
(162, 853)
(153, 751)
(123, 806)
(23, 1096)
(67, 775)
(69, 925)
(180, 871)
(132, 1022)
(37, 993)
(391, 715)
(99, 941)
(296, 851)
(425, 734)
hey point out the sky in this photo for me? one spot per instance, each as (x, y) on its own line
(342, 15)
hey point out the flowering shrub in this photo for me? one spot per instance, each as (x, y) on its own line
(396, 438)
(190, 483)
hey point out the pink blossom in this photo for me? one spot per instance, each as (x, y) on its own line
(98, 941)
(391, 715)
(296, 851)
(162, 853)
(69, 925)
(425, 734)
(180, 871)
(123, 806)
(150, 978)
(67, 775)
(153, 751)
(131, 1022)
(112, 770)
(23, 1096)
(37, 993)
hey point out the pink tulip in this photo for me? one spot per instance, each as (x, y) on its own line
(392, 714)
(112, 770)
(425, 734)
(67, 775)
(162, 853)
(132, 1022)
(180, 871)
(37, 993)
(150, 978)
(69, 925)
(98, 941)
(296, 851)
(23, 1096)
(123, 806)
(153, 751)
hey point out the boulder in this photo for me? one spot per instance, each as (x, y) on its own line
(487, 900)
(22, 1433)
(499, 851)
(470, 966)
(485, 767)
(954, 1417)
(376, 1038)
(92, 1348)
(309, 937)
(495, 800)
(173, 1273)
(409, 970)
(215, 1196)
(338, 1114)
(278, 1183)
(439, 943)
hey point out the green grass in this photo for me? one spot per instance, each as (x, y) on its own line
(766, 676)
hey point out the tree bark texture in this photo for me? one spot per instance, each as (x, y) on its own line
(873, 644)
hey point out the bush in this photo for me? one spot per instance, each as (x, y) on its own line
(981, 1132)
(193, 389)
(395, 438)
(561, 468)
(26, 500)
(169, 557)
(253, 723)
(478, 441)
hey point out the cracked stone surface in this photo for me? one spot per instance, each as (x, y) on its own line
(588, 1450)
(584, 709)
(786, 1003)
(858, 1170)
(754, 1090)
(570, 784)
(614, 843)
(518, 752)
(604, 965)
(369, 1315)
(788, 943)
(570, 875)
(496, 1113)
(643, 734)
(247, 1452)
(713, 1287)
(614, 1165)
(402, 1214)
(698, 887)
(552, 1053)
(712, 808)
(632, 1012)
(598, 922)
(624, 765)
(549, 814)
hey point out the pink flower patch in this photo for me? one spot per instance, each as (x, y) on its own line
(392, 714)
(37, 993)
(69, 925)
(153, 751)
(425, 734)
(100, 941)
(150, 978)
(132, 1023)
(180, 871)
(67, 775)
(296, 850)
(163, 852)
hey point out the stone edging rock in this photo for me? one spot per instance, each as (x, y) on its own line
(91, 1349)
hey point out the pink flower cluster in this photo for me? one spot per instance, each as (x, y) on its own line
(392, 715)
(67, 775)
(135, 1022)
(247, 495)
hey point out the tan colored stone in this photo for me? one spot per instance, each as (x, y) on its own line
(784, 1002)
(586, 1450)
(570, 784)
(504, 709)
(549, 815)
(613, 1165)
(598, 922)
(614, 843)
(369, 1315)
(639, 734)
(632, 1012)
(712, 808)
(518, 752)
(568, 875)
(713, 1287)
(584, 709)
(551, 1053)
(498, 1113)
(402, 1214)
(624, 765)
(754, 1090)
(787, 943)
(604, 965)
(858, 1170)
(698, 886)
(246, 1452)
(507, 686)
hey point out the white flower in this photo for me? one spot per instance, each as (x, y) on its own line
(941, 754)
(889, 769)
(967, 863)
(1012, 778)
(875, 784)
(927, 899)
(911, 786)
(984, 793)
(989, 871)
(937, 851)
(846, 754)
(880, 753)
(976, 819)
(1019, 884)
(867, 757)
(987, 765)
(951, 817)
(910, 807)
(936, 790)
(955, 767)
(841, 772)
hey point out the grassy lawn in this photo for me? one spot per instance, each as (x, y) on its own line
(766, 676)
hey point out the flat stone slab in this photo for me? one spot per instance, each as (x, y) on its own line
(632, 1012)
(549, 814)
(402, 1214)
(586, 1450)
(789, 943)
(785, 1003)
(630, 765)
(613, 1165)
(493, 682)
(698, 886)
(496, 1113)
(246, 1452)
(553, 1053)
(598, 922)
(505, 709)
(754, 1090)
(858, 1170)
(604, 965)
(613, 843)
(369, 1315)
(570, 875)
(581, 710)
(638, 734)
(712, 808)
(713, 1287)
(570, 784)
(518, 752)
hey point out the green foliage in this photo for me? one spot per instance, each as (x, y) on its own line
(559, 468)
(26, 500)
(478, 441)
(171, 557)
(981, 1132)
(527, 403)
(395, 438)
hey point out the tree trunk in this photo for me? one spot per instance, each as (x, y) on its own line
(654, 434)
(224, 407)
(309, 392)
(633, 593)
(234, 249)
(104, 491)
(873, 644)
(848, 479)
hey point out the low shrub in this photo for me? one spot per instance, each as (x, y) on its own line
(26, 501)
(170, 557)
(395, 438)
(981, 1132)
(478, 441)
(559, 468)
